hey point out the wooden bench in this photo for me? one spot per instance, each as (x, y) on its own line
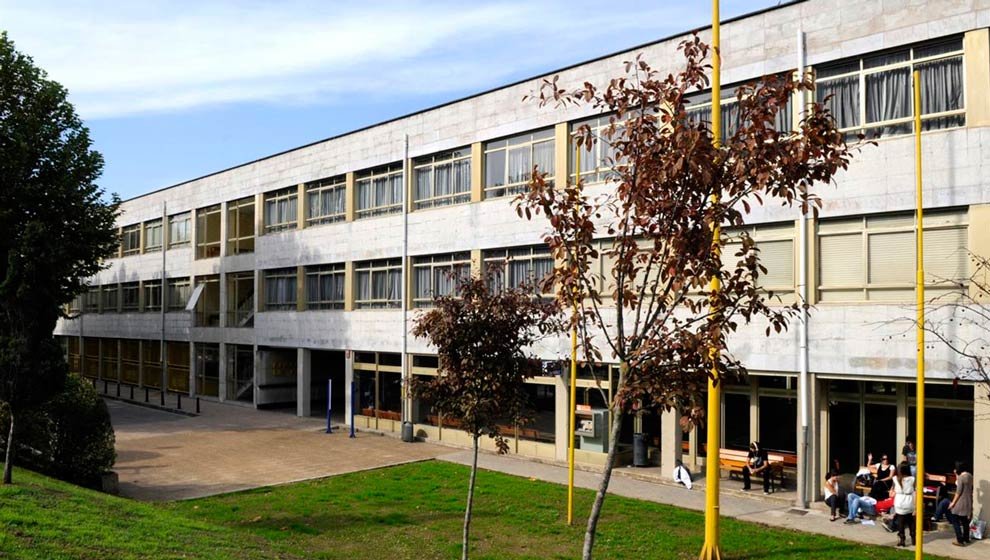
(733, 461)
(783, 465)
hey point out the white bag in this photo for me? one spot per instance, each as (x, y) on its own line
(977, 528)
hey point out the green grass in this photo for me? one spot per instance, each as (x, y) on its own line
(413, 511)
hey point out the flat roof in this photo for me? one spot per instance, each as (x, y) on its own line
(779, 5)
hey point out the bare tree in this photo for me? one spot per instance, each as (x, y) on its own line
(653, 311)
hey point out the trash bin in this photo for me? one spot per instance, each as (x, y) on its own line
(407, 432)
(639, 450)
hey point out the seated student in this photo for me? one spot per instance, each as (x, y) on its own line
(681, 474)
(857, 504)
(758, 464)
(833, 492)
(865, 476)
(885, 478)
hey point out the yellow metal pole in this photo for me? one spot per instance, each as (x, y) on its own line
(919, 507)
(711, 550)
(573, 407)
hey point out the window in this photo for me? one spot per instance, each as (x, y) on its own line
(240, 299)
(280, 289)
(596, 165)
(208, 304)
(519, 265)
(873, 95)
(509, 162)
(179, 291)
(326, 201)
(130, 240)
(873, 257)
(281, 210)
(130, 297)
(325, 286)
(699, 109)
(153, 295)
(109, 298)
(207, 369)
(208, 232)
(776, 250)
(437, 275)
(179, 230)
(240, 226)
(379, 191)
(442, 179)
(91, 301)
(378, 284)
(153, 236)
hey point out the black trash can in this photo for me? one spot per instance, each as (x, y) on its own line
(640, 457)
(407, 432)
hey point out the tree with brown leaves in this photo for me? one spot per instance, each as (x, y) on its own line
(670, 188)
(483, 337)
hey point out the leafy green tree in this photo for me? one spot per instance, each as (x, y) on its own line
(56, 225)
(482, 337)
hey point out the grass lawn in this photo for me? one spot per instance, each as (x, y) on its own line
(412, 511)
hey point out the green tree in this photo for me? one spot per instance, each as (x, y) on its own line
(482, 338)
(55, 228)
(669, 192)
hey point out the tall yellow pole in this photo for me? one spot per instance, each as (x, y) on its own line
(573, 407)
(711, 549)
(919, 507)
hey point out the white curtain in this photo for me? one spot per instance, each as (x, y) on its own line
(365, 195)
(443, 281)
(543, 156)
(520, 164)
(424, 183)
(888, 96)
(315, 200)
(394, 293)
(941, 85)
(443, 180)
(462, 176)
(395, 183)
(844, 101)
(381, 192)
(364, 285)
(422, 282)
(542, 267)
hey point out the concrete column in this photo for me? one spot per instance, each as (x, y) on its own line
(477, 172)
(693, 448)
(562, 416)
(815, 472)
(119, 358)
(193, 362)
(304, 361)
(902, 416)
(224, 234)
(99, 359)
(348, 380)
(976, 46)
(141, 344)
(670, 441)
(981, 450)
(256, 366)
(223, 296)
(349, 197)
(754, 409)
(222, 373)
(348, 286)
(562, 147)
(302, 206)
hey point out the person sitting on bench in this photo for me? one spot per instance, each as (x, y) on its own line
(758, 463)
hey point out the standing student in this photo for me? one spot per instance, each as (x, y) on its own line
(903, 485)
(961, 507)
(910, 455)
(758, 463)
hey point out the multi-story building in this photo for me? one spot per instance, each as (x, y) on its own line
(274, 281)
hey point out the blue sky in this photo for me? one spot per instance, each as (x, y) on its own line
(172, 90)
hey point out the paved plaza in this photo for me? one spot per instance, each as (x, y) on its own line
(166, 456)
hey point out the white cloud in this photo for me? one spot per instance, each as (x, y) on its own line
(155, 55)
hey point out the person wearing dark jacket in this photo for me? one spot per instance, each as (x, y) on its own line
(758, 464)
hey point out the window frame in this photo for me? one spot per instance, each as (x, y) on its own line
(109, 298)
(337, 271)
(128, 287)
(130, 240)
(287, 274)
(434, 263)
(862, 72)
(148, 289)
(208, 248)
(430, 163)
(329, 187)
(371, 268)
(388, 173)
(179, 291)
(236, 239)
(286, 195)
(178, 224)
(148, 227)
(504, 145)
(505, 256)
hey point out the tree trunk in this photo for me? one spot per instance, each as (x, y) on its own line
(8, 465)
(596, 508)
(470, 501)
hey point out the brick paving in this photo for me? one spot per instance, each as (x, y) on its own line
(163, 456)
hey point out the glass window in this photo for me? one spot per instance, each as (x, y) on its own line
(281, 209)
(130, 296)
(109, 298)
(442, 179)
(153, 236)
(130, 240)
(596, 164)
(437, 275)
(91, 301)
(208, 303)
(699, 109)
(379, 191)
(207, 369)
(509, 162)
(519, 266)
(775, 244)
(874, 95)
(280, 289)
(153, 295)
(179, 229)
(240, 226)
(326, 201)
(325, 286)
(179, 291)
(378, 284)
(240, 299)
(208, 232)
(873, 257)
